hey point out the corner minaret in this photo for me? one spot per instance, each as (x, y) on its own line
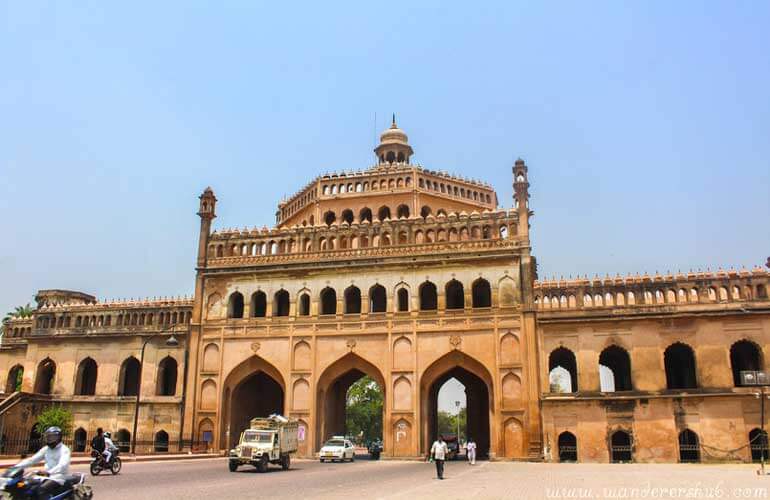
(521, 195)
(394, 146)
(207, 213)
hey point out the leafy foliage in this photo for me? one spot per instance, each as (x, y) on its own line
(54, 416)
(363, 416)
(447, 423)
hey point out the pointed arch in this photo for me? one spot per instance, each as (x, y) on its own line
(745, 355)
(128, 384)
(258, 304)
(85, 382)
(482, 293)
(679, 361)
(45, 376)
(428, 297)
(211, 358)
(352, 300)
(402, 394)
(455, 295)
(167, 377)
(328, 301)
(15, 379)
(377, 299)
(281, 303)
(235, 305)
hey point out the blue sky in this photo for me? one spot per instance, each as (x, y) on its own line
(645, 125)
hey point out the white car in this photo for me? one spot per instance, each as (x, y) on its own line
(337, 448)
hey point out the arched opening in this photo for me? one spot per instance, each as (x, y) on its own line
(455, 296)
(329, 218)
(79, 440)
(35, 440)
(621, 449)
(377, 299)
(403, 299)
(344, 388)
(425, 211)
(167, 375)
(474, 382)
(482, 293)
(258, 304)
(352, 300)
(562, 371)
(402, 212)
(15, 379)
(680, 367)
(161, 441)
(123, 440)
(689, 447)
(85, 383)
(235, 305)
(744, 356)
(758, 445)
(254, 388)
(281, 303)
(44, 378)
(383, 213)
(428, 297)
(128, 385)
(328, 301)
(347, 216)
(615, 369)
(365, 215)
(304, 304)
(567, 443)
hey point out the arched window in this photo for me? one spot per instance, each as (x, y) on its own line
(167, 375)
(328, 301)
(621, 449)
(562, 370)
(377, 299)
(455, 296)
(281, 303)
(744, 356)
(758, 445)
(235, 305)
(123, 440)
(258, 304)
(482, 293)
(567, 447)
(329, 218)
(761, 292)
(402, 212)
(85, 384)
(128, 384)
(15, 379)
(79, 440)
(161, 442)
(615, 369)
(689, 447)
(403, 300)
(44, 378)
(383, 213)
(347, 216)
(425, 211)
(365, 215)
(680, 367)
(352, 300)
(304, 305)
(428, 297)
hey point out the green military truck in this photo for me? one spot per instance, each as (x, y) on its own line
(267, 441)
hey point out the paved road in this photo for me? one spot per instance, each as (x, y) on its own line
(209, 478)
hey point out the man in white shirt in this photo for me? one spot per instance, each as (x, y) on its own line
(439, 452)
(57, 463)
(109, 447)
(470, 450)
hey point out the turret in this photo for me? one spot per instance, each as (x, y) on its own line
(394, 146)
(521, 195)
(207, 213)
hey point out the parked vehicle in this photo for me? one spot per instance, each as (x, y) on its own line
(375, 448)
(15, 485)
(98, 464)
(337, 448)
(267, 441)
(452, 444)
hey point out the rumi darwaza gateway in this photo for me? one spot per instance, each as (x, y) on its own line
(412, 277)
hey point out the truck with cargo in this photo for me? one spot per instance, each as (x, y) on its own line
(267, 441)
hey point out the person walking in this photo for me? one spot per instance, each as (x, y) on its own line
(438, 451)
(470, 451)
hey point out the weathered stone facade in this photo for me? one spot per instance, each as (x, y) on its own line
(412, 277)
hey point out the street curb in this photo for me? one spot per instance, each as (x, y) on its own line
(141, 458)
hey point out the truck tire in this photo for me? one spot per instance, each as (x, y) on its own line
(285, 462)
(262, 464)
(232, 465)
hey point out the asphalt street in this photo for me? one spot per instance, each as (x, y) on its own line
(209, 478)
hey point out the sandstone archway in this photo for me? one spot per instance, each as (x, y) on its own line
(478, 389)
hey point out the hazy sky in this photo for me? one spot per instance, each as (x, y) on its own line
(645, 125)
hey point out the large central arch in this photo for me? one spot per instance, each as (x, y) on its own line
(478, 391)
(333, 385)
(254, 388)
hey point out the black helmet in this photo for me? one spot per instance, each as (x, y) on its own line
(107, 435)
(52, 437)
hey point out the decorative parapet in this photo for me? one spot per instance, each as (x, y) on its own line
(653, 291)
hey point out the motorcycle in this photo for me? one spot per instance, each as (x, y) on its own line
(15, 485)
(98, 464)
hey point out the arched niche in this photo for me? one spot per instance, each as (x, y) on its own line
(301, 395)
(211, 358)
(402, 354)
(402, 394)
(513, 436)
(510, 350)
(302, 359)
(511, 389)
(208, 395)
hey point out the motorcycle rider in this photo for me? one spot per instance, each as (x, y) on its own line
(56, 456)
(109, 447)
(97, 443)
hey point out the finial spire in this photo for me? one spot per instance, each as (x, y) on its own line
(393, 124)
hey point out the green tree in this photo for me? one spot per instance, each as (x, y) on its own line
(54, 416)
(447, 423)
(363, 410)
